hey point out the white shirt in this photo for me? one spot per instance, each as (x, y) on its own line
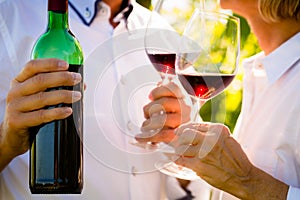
(268, 128)
(113, 169)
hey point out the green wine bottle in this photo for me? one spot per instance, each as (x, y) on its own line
(56, 153)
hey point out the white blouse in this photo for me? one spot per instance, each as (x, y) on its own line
(268, 128)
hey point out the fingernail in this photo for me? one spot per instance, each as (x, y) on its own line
(77, 77)
(63, 64)
(76, 95)
(68, 110)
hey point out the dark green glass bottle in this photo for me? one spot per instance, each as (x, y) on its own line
(56, 153)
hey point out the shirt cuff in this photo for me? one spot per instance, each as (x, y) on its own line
(293, 193)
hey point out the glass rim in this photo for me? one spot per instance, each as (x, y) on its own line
(212, 12)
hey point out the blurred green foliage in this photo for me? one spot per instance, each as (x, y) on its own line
(230, 101)
(226, 107)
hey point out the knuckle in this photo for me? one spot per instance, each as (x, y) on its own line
(146, 108)
(40, 96)
(61, 94)
(41, 116)
(9, 107)
(38, 79)
(10, 122)
(65, 96)
(68, 77)
(31, 65)
(164, 100)
(9, 97)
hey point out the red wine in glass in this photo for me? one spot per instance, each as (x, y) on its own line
(163, 62)
(205, 86)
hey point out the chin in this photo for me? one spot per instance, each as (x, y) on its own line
(224, 4)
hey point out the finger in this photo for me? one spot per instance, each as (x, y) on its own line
(154, 123)
(34, 67)
(170, 120)
(183, 127)
(43, 99)
(190, 137)
(41, 82)
(202, 127)
(164, 104)
(165, 135)
(188, 162)
(187, 150)
(39, 117)
(169, 90)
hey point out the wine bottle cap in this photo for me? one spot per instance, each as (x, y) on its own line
(58, 5)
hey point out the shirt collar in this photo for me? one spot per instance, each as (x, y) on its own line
(87, 10)
(276, 63)
(282, 59)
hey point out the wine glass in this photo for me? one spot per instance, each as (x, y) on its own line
(163, 33)
(161, 42)
(207, 62)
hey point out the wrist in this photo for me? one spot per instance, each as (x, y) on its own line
(262, 186)
(5, 155)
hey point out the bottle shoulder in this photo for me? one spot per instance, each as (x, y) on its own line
(61, 44)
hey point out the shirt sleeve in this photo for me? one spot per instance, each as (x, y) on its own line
(198, 189)
(293, 193)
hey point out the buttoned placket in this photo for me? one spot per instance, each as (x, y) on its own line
(255, 81)
(259, 82)
(104, 12)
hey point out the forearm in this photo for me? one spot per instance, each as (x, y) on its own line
(6, 156)
(262, 186)
(4, 160)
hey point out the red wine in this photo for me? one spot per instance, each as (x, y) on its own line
(56, 153)
(205, 86)
(163, 62)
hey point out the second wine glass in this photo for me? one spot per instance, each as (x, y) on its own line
(163, 32)
(161, 42)
(207, 62)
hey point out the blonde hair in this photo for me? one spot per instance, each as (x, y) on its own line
(275, 10)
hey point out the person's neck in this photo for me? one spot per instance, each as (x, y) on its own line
(115, 7)
(271, 35)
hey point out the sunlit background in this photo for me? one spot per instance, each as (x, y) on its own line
(232, 97)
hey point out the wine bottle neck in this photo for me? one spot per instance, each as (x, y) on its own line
(58, 14)
(57, 20)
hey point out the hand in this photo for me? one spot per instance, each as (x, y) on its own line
(166, 111)
(27, 98)
(218, 159)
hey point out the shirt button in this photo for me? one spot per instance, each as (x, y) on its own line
(260, 66)
(129, 126)
(87, 13)
(133, 170)
(123, 80)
